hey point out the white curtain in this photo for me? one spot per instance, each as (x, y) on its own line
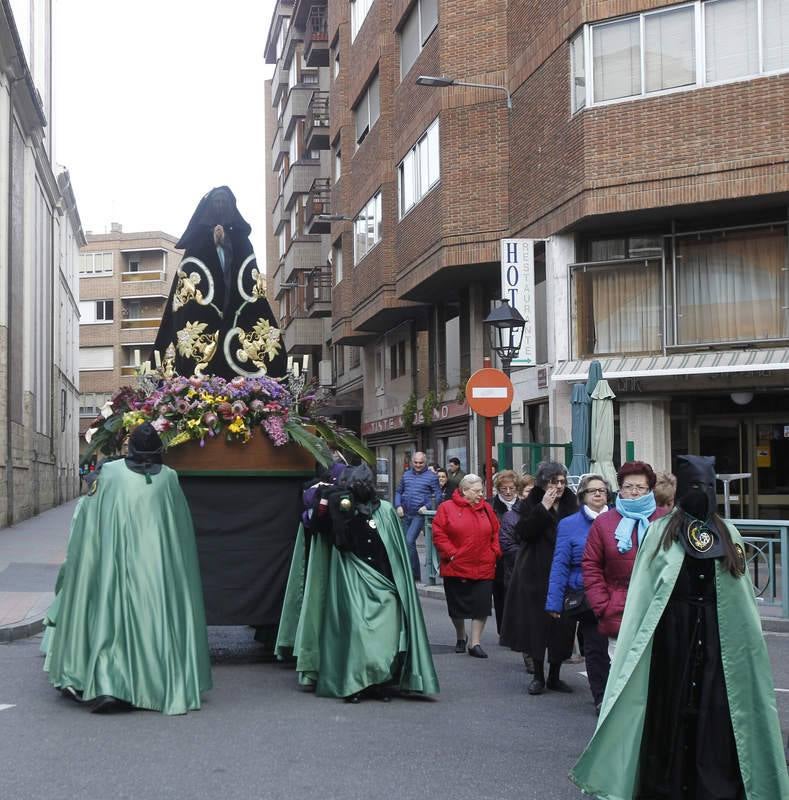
(728, 288)
(616, 56)
(775, 19)
(669, 49)
(731, 39)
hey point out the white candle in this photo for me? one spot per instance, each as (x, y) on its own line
(157, 359)
(290, 363)
(296, 369)
(136, 358)
(305, 363)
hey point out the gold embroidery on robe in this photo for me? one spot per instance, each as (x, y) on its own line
(261, 344)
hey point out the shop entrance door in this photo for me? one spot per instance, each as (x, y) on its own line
(727, 440)
(771, 457)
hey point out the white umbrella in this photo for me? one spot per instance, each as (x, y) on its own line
(602, 443)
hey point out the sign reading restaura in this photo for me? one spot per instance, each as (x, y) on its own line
(517, 286)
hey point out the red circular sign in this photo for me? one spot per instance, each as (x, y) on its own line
(489, 392)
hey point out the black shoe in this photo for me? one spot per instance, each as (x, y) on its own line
(460, 645)
(354, 699)
(106, 704)
(72, 694)
(477, 652)
(536, 687)
(559, 686)
(379, 693)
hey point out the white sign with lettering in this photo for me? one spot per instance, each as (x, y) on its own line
(517, 286)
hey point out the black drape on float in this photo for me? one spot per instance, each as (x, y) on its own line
(245, 530)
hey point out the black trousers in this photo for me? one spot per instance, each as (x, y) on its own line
(596, 654)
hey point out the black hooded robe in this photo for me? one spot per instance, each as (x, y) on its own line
(217, 320)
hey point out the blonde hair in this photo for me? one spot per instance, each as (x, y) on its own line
(665, 489)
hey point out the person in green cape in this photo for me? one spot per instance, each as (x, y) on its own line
(351, 616)
(127, 627)
(689, 709)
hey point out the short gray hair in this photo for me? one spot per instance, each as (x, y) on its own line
(547, 471)
(467, 480)
(584, 483)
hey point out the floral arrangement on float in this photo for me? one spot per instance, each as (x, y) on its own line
(204, 407)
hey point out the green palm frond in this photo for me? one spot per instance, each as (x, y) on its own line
(316, 446)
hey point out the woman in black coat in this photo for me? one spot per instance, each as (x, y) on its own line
(526, 626)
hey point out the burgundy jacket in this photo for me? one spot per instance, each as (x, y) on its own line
(607, 572)
(469, 536)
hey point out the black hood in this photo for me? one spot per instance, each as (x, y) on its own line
(696, 485)
(144, 449)
(218, 207)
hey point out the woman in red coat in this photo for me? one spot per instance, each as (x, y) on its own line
(466, 536)
(612, 545)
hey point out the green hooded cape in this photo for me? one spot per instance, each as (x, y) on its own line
(345, 623)
(608, 768)
(128, 618)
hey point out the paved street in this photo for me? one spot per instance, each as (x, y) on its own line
(258, 735)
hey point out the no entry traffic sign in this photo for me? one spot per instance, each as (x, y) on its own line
(489, 392)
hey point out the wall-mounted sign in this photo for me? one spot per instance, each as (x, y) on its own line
(517, 286)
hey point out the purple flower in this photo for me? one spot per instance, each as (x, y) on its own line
(182, 406)
(239, 408)
(275, 429)
(210, 419)
(196, 382)
(257, 406)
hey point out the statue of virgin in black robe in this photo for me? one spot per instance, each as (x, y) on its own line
(217, 320)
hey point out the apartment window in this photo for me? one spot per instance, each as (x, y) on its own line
(336, 258)
(134, 265)
(616, 48)
(337, 163)
(339, 360)
(367, 110)
(95, 264)
(397, 359)
(90, 404)
(359, 11)
(732, 35)
(367, 228)
(283, 34)
(92, 311)
(356, 357)
(775, 45)
(336, 63)
(379, 370)
(419, 24)
(95, 358)
(283, 240)
(578, 71)
(420, 170)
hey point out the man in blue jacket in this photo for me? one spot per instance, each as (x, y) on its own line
(417, 491)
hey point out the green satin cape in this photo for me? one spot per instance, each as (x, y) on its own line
(128, 618)
(348, 626)
(608, 768)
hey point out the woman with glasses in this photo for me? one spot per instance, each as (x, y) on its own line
(566, 581)
(466, 536)
(613, 543)
(526, 627)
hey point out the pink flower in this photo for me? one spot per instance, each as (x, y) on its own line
(196, 382)
(275, 429)
(257, 406)
(210, 419)
(239, 408)
(225, 410)
(182, 406)
(238, 382)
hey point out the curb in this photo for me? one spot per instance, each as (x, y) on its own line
(24, 630)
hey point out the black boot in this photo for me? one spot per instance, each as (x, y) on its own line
(555, 683)
(537, 686)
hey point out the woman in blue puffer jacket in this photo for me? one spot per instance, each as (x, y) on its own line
(566, 576)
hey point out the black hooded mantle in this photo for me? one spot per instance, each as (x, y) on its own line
(217, 319)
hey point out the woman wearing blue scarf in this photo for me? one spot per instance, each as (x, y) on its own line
(613, 542)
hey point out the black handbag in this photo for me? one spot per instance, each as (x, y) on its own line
(575, 603)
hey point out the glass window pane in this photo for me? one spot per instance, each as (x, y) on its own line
(728, 288)
(379, 217)
(616, 51)
(429, 11)
(375, 101)
(409, 196)
(775, 18)
(424, 167)
(617, 309)
(409, 42)
(578, 72)
(362, 118)
(670, 49)
(731, 39)
(371, 227)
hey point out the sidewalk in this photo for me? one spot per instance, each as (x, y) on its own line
(30, 556)
(32, 551)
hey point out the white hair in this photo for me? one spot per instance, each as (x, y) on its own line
(467, 480)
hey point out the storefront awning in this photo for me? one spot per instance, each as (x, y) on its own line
(727, 361)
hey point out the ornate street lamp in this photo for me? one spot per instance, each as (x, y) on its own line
(505, 328)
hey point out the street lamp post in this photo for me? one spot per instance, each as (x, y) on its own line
(441, 81)
(505, 328)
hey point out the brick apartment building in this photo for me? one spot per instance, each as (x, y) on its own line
(124, 281)
(645, 151)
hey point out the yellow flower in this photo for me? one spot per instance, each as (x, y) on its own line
(237, 426)
(207, 398)
(191, 393)
(193, 423)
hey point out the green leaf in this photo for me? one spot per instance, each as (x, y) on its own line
(316, 446)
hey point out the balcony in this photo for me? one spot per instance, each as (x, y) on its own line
(295, 107)
(303, 254)
(279, 148)
(318, 203)
(316, 38)
(316, 123)
(318, 292)
(142, 275)
(279, 216)
(299, 180)
(279, 82)
(137, 324)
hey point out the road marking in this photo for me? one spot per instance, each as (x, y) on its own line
(4, 706)
(488, 391)
(782, 690)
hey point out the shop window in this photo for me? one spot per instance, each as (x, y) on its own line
(397, 360)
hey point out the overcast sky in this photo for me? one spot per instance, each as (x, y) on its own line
(158, 101)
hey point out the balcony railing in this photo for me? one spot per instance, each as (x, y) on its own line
(150, 322)
(316, 38)
(319, 203)
(316, 122)
(142, 275)
(319, 289)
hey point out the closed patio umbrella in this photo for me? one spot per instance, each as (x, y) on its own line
(595, 374)
(580, 403)
(602, 443)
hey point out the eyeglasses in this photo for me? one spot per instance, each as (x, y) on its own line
(597, 491)
(559, 482)
(636, 488)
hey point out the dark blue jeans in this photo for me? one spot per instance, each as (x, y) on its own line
(412, 527)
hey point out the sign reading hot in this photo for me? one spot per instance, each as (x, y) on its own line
(517, 286)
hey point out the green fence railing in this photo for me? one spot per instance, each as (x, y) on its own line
(536, 452)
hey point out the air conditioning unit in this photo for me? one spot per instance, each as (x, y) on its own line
(325, 377)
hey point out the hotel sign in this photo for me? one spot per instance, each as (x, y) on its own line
(517, 286)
